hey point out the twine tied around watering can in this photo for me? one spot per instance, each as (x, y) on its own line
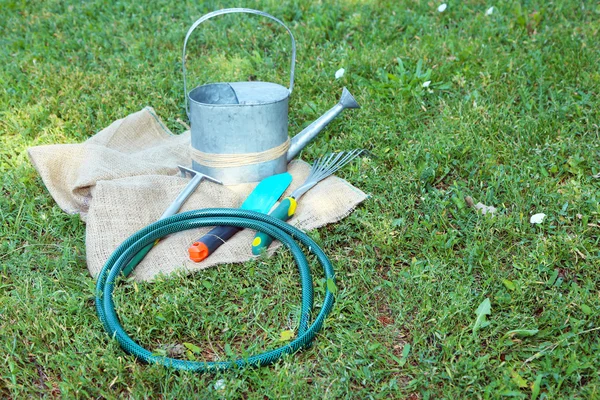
(239, 130)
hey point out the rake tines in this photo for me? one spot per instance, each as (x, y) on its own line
(328, 165)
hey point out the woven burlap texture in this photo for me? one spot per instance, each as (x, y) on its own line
(125, 176)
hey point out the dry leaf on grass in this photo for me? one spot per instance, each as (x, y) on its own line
(480, 207)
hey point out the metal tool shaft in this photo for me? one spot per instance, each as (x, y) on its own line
(187, 191)
(170, 211)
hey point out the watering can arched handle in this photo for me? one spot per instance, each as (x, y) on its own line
(230, 11)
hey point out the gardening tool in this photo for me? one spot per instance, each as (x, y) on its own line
(261, 199)
(321, 169)
(239, 130)
(197, 177)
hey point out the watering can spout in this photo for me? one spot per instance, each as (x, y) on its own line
(310, 132)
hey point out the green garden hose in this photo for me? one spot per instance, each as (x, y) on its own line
(280, 230)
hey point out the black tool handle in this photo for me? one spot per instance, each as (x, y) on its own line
(210, 242)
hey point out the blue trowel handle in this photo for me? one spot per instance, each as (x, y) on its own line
(210, 242)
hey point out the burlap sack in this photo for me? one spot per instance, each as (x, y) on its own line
(124, 177)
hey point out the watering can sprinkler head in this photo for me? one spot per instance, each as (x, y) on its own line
(299, 141)
(347, 100)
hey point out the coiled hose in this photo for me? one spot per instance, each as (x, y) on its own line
(276, 228)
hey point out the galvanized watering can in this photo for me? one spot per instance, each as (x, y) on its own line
(240, 129)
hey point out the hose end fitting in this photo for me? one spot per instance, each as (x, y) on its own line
(198, 251)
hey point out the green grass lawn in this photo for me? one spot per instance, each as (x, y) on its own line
(510, 118)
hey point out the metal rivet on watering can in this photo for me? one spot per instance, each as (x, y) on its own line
(240, 129)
